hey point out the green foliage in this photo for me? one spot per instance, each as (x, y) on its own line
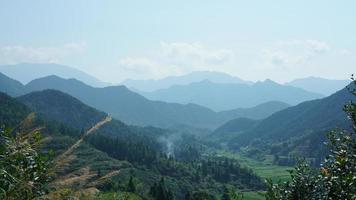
(336, 179)
(23, 172)
(131, 186)
(188, 148)
(200, 195)
(63, 108)
(12, 112)
(230, 193)
(160, 191)
(301, 185)
(117, 196)
(129, 149)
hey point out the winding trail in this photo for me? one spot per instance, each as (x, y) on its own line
(64, 155)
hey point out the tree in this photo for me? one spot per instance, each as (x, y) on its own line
(230, 193)
(188, 196)
(336, 179)
(202, 195)
(160, 191)
(23, 171)
(131, 186)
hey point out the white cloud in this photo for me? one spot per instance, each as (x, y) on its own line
(291, 59)
(318, 46)
(175, 58)
(194, 54)
(281, 61)
(295, 52)
(141, 67)
(17, 53)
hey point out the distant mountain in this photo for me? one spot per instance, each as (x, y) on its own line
(134, 109)
(128, 106)
(27, 72)
(300, 128)
(319, 85)
(152, 85)
(227, 96)
(10, 86)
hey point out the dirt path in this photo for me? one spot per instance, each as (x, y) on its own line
(75, 145)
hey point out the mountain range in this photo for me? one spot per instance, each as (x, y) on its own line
(227, 96)
(133, 108)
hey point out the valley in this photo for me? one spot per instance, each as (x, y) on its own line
(177, 100)
(98, 156)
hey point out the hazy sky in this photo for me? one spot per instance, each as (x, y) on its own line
(115, 40)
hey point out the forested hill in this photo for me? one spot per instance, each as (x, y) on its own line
(12, 112)
(10, 86)
(62, 107)
(299, 124)
(115, 152)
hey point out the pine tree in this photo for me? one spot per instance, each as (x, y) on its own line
(131, 186)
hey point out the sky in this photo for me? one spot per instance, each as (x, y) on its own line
(117, 40)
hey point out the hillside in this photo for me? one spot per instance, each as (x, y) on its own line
(299, 129)
(115, 151)
(223, 96)
(12, 112)
(233, 128)
(63, 108)
(10, 86)
(26, 72)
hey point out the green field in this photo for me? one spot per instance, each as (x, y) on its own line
(253, 196)
(265, 169)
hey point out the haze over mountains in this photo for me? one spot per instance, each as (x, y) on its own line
(319, 85)
(195, 99)
(133, 108)
(26, 72)
(227, 96)
(197, 76)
